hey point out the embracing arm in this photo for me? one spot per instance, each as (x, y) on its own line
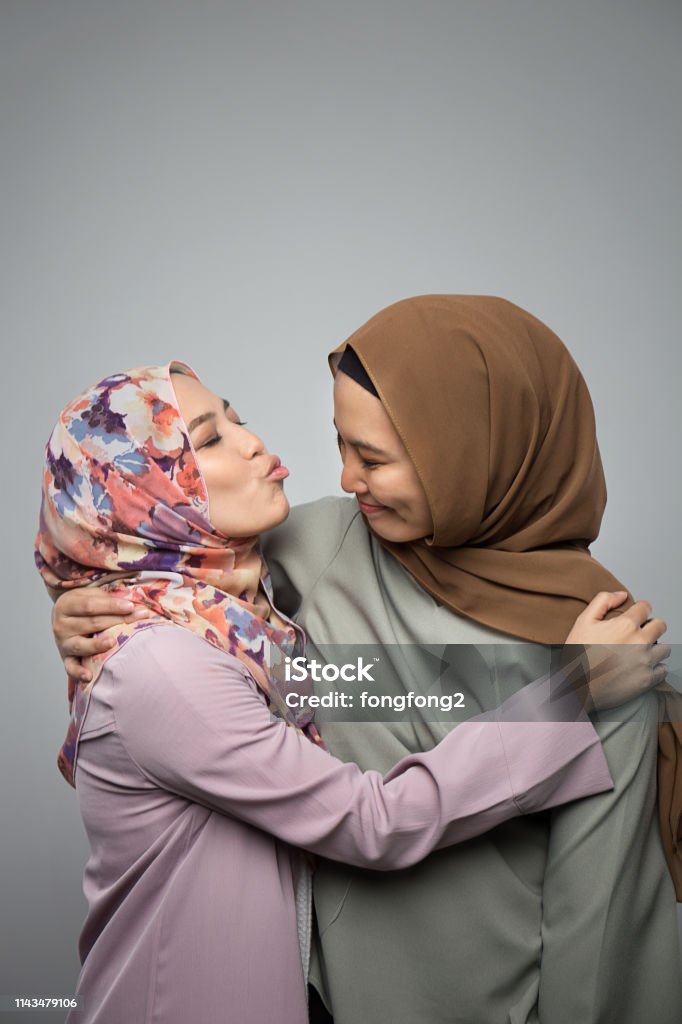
(195, 724)
(624, 658)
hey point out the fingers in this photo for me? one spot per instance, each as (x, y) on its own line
(90, 610)
(653, 630)
(659, 653)
(85, 646)
(98, 623)
(639, 612)
(659, 675)
(93, 601)
(75, 669)
(76, 647)
(67, 626)
(604, 602)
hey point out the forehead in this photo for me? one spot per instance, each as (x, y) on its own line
(359, 414)
(191, 393)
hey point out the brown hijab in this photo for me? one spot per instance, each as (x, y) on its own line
(499, 424)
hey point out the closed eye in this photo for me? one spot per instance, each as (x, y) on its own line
(211, 442)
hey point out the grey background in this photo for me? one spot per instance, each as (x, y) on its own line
(241, 185)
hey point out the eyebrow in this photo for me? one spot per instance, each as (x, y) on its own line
(363, 444)
(198, 420)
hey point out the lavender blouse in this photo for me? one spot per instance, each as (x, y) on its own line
(196, 803)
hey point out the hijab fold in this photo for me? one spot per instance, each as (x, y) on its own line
(499, 424)
(125, 507)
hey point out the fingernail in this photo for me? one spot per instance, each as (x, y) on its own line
(126, 606)
(141, 613)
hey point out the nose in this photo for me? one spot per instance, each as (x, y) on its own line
(352, 477)
(252, 444)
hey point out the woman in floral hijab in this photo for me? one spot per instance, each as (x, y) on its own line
(196, 779)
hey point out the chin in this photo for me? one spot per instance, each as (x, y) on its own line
(279, 513)
(266, 519)
(395, 534)
(284, 509)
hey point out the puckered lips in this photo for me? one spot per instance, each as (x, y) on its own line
(276, 471)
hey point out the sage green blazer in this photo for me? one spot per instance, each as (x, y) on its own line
(566, 917)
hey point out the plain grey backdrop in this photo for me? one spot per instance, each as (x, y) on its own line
(240, 185)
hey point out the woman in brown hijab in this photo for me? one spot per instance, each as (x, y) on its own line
(564, 918)
(516, 501)
(571, 917)
(499, 425)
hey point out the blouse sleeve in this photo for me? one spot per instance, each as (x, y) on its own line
(194, 722)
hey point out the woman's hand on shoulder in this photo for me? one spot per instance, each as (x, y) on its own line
(80, 619)
(625, 658)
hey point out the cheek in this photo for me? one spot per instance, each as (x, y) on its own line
(399, 488)
(418, 512)
(410, 502)
(224, 477)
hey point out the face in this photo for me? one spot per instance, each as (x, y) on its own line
(244, 483)
(376, 466)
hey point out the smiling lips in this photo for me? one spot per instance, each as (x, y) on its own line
(370, 510)
(277, 471)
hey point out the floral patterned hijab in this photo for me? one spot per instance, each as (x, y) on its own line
(124, 506)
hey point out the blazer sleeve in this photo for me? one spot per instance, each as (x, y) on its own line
(194, 722)
(609, 930)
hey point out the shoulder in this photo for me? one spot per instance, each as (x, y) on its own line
(167, 681)
(326, 519)
(168, 655)
(300, 549)
(179, 705)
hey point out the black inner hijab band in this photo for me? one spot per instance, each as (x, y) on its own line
(350, 364)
